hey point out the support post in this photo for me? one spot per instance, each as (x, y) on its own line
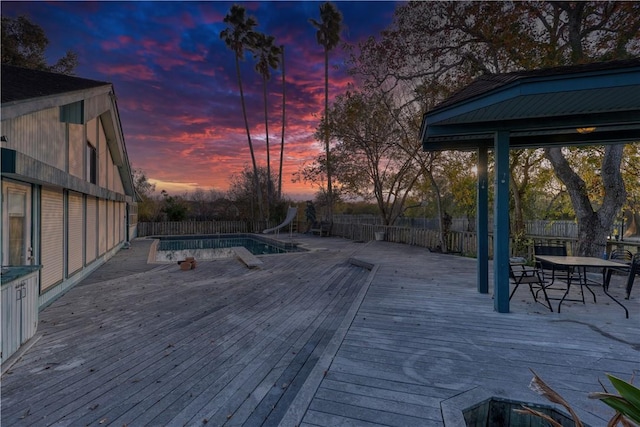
(501, 224)
(482, 222)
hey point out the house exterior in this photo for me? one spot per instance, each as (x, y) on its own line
(68, 199)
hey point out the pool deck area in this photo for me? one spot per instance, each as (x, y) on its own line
(347, 334)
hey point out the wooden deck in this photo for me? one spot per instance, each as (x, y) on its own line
(313, 339)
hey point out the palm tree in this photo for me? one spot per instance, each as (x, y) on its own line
(238, 36)
(283, 125)
(328, 36)
(267, 56)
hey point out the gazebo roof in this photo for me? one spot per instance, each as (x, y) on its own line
(541, 108)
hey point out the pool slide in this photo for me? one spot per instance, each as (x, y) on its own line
(291, 214)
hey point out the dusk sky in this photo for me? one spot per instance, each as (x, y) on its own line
(176, 85)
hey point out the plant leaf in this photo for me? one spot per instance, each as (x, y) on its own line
(624, 407)
(630, 392)
(543, 389)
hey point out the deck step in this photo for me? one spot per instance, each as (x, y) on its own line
(247, 257)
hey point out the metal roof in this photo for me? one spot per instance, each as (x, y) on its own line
(541, 108)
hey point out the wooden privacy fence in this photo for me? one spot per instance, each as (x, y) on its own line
(559, 228)
(463, 242)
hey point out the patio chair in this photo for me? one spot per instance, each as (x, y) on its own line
(521, 274)
(322, 228)
(621, 254)
(559, 272)
(633, 272)
(624, 257)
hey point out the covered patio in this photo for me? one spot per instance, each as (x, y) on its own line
(591, 104)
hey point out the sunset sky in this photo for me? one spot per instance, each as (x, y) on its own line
(176, 85)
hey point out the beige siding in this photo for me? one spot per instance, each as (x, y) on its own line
(91, 230)
(75, 233)
(111, 223)
(102, 226)
(92, 132)
(52, 238)
(76, 150)
(117, 181)
(96, 105)
(34, 134)
(121, 221)
(113, 173)
(102, 157)
(118, 222)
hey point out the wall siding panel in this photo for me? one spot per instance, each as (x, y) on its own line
(111, 167)
(117, 181)
(92, 132)
(96, 105)
(123, 221)
(52, 238)
(103, 163)
(102, 226)
(34, 134)
(91, 231)
(75, 233)
(76, 150)
(111, 218)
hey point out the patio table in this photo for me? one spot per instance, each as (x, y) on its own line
(582, 263)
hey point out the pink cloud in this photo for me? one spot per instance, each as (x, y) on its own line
(128, 72)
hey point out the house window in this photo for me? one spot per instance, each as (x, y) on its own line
(72, 113)
(92, 162)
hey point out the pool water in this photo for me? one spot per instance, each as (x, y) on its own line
(172, 248)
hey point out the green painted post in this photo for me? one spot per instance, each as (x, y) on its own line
(501, 224)
(482, 222)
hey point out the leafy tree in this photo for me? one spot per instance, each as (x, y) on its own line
(590, 32)
(523, 166)
(238, 36)
(174, 207)
(631, 177)
(315, 173)
(268, 56)
(203, 205)
(147, 206)
(328, 36)
(368, 159)
(24, 44)
(461, 184)
(432, 49)
(245, 198)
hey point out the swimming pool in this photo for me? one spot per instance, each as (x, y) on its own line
(174, 248)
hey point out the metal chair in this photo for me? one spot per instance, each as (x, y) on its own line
(624, 257)
(520, 274)
(621, 254)
(633, 272)
(555, 271)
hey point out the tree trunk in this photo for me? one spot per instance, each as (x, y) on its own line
(253, 156)
(593, 226)
(283, 127)
(326, 134)
(436, 188)
(266, 129)
(518, 217)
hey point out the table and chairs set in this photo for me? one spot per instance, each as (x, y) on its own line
(555, 270)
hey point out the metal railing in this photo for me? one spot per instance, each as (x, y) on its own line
(179, 228)
(461, 242)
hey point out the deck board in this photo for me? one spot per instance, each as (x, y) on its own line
(298, 342)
